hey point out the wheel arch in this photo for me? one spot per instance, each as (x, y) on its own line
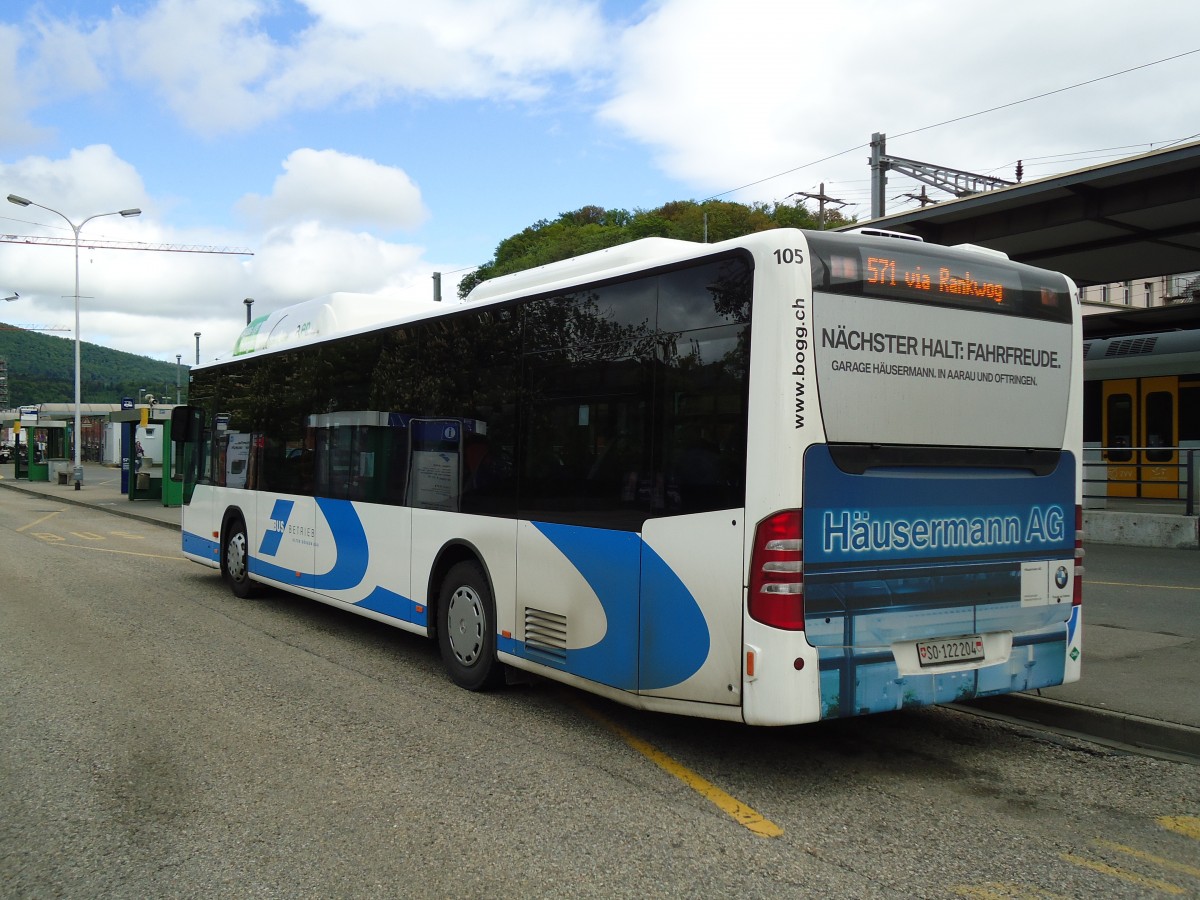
(231, 513)
(448, 557)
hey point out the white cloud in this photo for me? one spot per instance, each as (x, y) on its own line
(725, 98)
(206, 58)
(337, 187)
(15, 98)
(91, 180)
(152, 301)
(308, 259)
(224, 65)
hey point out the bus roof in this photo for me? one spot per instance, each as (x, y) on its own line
(344, 313)
(324, 317)
(634, 253)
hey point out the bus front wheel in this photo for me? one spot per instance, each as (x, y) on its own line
(467, 628)
(235, 559)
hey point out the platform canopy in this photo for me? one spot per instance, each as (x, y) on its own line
(1135, 218)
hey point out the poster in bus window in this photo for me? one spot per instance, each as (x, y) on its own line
(237, 460)
(434, 463)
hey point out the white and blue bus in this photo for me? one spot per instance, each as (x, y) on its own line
(788, 477)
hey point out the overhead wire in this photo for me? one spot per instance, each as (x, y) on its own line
(961, 119)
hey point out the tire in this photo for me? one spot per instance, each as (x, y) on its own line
(467, 628)
(235, 559)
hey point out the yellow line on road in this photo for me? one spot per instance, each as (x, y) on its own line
(749, 819)
(997, 890)
(1188, 826)
(1105, 869)
(119, 552)
(1150, 858)
(1134, 584)
(41, 520)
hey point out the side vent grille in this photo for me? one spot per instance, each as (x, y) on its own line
(546, 636)
(1131, 346)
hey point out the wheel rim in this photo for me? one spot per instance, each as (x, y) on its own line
(464, 625)
(235, 556)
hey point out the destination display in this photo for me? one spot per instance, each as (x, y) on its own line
(964, 279)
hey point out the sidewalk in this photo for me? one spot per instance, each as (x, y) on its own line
(101, 488)
(1139, 687)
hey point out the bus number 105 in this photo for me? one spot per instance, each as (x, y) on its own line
(788, 256)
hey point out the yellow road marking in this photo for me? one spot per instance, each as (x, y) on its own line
(51, 538)
(998, 890)
(41, 520)
(1136, 584)
(1150, 858)
(127, 552)
(753, 821)
(1105, 869)
(1188, 826)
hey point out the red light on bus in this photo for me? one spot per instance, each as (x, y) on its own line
(776, 595)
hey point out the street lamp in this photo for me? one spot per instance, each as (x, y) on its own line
(127, 213)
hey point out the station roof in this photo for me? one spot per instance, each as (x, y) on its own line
(1155, 319)
(1135, 218)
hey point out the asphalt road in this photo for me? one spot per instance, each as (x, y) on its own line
(160, 738)
(1141, 631)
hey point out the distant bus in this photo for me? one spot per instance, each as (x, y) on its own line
(788, 477)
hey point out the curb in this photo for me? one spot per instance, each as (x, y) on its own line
(105, 508)
(1125, 729)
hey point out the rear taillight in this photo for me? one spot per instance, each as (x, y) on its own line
(1077, 595)
(777, 572)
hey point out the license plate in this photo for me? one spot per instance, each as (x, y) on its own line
(948, 651)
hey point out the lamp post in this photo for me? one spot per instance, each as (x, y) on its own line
(127, 213)
(178, 357)
(197, 348)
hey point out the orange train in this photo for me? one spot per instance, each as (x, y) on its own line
(1142, 407)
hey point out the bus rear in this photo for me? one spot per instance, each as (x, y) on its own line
(941, 512)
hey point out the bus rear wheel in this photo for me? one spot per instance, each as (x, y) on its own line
(235, 559)
(467, 628)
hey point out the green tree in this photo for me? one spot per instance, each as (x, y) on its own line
(593, 228)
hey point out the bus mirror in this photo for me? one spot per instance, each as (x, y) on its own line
(187, 424)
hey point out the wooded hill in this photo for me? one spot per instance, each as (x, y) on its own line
(41, 369)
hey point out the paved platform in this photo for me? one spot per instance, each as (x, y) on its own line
(1141, 670)
(100, 488)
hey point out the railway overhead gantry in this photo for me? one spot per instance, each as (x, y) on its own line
(1129, 219)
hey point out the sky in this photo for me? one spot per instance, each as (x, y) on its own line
(362, 145)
